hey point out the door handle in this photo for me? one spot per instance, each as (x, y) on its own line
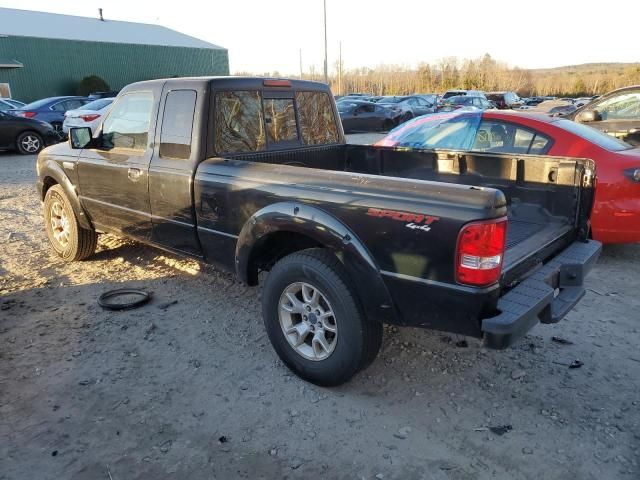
(134, 174)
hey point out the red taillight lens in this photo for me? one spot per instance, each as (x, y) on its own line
(89, 118)
(480, 252)
(27, 114)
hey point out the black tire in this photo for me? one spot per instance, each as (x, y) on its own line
(79, 243)
(357, 341)
(29, 143)
(388, 125)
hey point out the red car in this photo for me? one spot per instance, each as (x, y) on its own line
(615, 216)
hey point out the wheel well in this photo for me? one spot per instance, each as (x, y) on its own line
(272, 248)
(47, 183)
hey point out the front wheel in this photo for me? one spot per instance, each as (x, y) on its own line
(314, 320)
(29, 143)
(67, 237)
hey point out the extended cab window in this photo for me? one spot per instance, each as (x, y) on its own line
(127, 125)
(280, 119)
(177, 123)
(239, 122)
(317, 121)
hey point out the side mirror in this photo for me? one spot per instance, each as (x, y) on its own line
(588, 116)
(79, 138)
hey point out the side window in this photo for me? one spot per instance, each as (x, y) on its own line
(522, 140)
(280, 119)
(540, 145)
(73, 104)
(317, 121)
(177, 123)
(493, 136)
(368, 108)
(621, 107)
(239, 122)
(127, 125)
(58, 107)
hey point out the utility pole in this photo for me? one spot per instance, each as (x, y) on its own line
(326, 71)
(300, 64)
(340, 71)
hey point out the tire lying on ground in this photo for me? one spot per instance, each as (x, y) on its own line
(68, 239)
(314, 320)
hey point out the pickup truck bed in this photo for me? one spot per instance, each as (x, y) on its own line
(543, 194)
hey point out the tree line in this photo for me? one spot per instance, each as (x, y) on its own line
(484, 73)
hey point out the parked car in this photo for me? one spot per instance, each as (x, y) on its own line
(615, 216)
(9, 104)
(360, 116)
(407, 106)
(51, 110)
(26, 135)
(533, 101)
(616, 113)
(461, 93)
(505, 100)
(89, 115)
(464, 103)
(554, 108)
(352, 236)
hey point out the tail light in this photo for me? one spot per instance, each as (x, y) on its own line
(27, 114)
(480, 252)
(89, 118)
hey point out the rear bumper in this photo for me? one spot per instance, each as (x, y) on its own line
(534, 300)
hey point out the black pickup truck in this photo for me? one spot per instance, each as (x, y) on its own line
(253, 174)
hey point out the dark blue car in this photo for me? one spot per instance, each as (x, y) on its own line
(51, 110)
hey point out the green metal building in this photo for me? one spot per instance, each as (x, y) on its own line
(46, 55)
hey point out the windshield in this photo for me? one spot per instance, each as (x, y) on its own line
(97, 104)
(452, 131)
(592, 135)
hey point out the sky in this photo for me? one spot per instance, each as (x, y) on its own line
(268, 35)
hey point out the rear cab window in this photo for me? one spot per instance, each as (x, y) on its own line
(177, 124)
(251, 121)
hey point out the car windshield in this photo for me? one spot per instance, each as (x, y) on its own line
(453, 131)
(97, 104)
(452, 94)
(592, 135)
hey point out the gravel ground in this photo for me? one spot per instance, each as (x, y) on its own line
(189, 387)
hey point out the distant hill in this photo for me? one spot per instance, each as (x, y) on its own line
(586, 68)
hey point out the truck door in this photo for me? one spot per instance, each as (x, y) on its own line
(171, 174)
(113, 178)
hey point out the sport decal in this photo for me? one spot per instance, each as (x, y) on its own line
(414, 221)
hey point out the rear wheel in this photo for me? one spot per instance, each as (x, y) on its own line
(68, 239)
(314, 321)
(29, 143)
(387, 125)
